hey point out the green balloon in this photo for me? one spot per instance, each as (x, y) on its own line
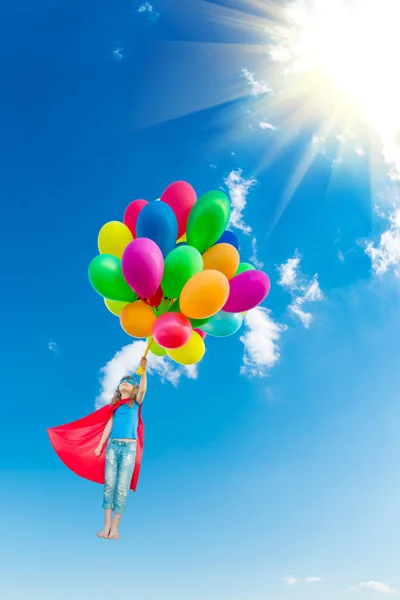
(244, 267)
(208, 220)
(155, 348)
(179, 266)
(106, 277)
(194, 322)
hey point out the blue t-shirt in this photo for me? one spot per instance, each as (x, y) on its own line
(125, 422)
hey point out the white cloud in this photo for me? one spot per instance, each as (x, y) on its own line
(254, 256)
(261, 342)
(296, 309)
(117, 54)
(126, 361)
(289, 273)
(257, 87)
(302, 290)
(265, 125)
(238, 189)
(312, 292)
(318, 144)
(148, 8)
(145, 7)
(293, 581)
(52, 346)
(385, 255)
(373, 586)
(337, 161)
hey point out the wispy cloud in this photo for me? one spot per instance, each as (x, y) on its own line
(238, 189)
(266, 125)
(293, 581)
(254, 255)
(373, 586)
(126, 362)
(261, 342)
(148, 7)
(52, 346)
(385, 254)
(117, 54)
(145, 7)
(318, 144)
(289, 273)
(257, 87)
(302, 289)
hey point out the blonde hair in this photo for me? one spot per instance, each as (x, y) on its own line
(133, 395)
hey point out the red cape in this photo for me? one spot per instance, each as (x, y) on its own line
(76, 442)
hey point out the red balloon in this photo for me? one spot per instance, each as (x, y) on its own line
(132, 213)
(180, 196)
(172, 330)
(201, 333)
(156, 300)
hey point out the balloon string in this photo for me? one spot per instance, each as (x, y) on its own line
(141, 370)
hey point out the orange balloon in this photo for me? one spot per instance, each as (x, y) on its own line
(222, 257)
(137, 319)
(204, 294)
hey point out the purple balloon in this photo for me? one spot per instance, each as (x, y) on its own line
(143, 266)
(247, 290)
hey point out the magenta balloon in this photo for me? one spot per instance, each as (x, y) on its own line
(247, 290)
(172, 330)
(143, 266)
(201, 333)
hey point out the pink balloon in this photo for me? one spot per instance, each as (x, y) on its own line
(132, 213)
(172, 330)
(201, 333)
(180, 196)
(143, 266)
(247, 290)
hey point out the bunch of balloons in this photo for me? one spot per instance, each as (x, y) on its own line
(172, 273)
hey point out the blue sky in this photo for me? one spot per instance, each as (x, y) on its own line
(271, 471)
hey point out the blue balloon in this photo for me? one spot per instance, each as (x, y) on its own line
(223, 324)
(228, 237)
(157, 222)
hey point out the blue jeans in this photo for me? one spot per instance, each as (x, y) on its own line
(120, 463)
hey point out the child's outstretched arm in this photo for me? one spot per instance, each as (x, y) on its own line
(143, 382)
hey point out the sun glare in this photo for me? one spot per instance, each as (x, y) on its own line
(353, 44)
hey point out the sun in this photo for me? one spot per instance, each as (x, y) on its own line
(343, 56)
(329, 67)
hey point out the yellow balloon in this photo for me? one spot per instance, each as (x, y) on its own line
(191, 353)
(181, 239)
(222, 257)
(114, 238)
(114, 306)
(155, 348)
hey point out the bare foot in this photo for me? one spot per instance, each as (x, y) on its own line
(105, 532)
(113, 535)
